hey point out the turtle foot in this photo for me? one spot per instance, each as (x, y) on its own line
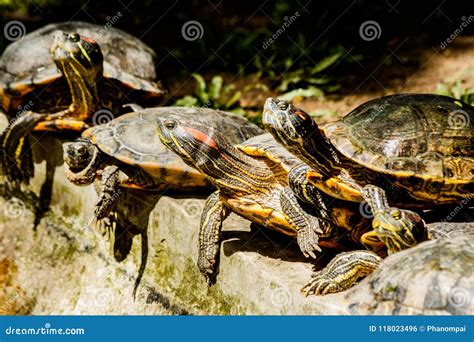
(342, 272)
(321, 284)
(308, 241)
(208, 268)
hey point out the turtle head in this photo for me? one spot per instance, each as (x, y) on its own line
(399, 229)
(75, 54)
(288, 124)
(81, 161)
(200, 146)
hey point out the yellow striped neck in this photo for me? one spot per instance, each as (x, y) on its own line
(84, 91)
(235, 172)
(319, 154)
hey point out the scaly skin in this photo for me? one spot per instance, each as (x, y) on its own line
(329, 171)
(246, 186)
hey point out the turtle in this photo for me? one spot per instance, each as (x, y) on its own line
(133, 169)
(435, 277)
(252, 181)
(66, 77)
(416, 147)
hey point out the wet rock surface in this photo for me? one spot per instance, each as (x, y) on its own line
(66, 266)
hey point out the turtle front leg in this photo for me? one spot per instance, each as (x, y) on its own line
(213, 215)
(109, 191)
(342, 272)
(306, 209)
(14, 140)
(308, 228)
(62, 125)
(16, 150)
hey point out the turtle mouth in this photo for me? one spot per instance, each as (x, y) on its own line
(271, 104)
(81, 163)
(270, 117)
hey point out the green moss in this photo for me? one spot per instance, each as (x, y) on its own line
(187, 284)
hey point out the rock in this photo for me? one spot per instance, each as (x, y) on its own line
(66, 266)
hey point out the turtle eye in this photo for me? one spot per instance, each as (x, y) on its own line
(81, 150)
(74, 37)
(396, 214)
(170, 124)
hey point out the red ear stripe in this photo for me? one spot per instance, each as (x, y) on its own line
(300, 114)
(202, 137)
(88, 40)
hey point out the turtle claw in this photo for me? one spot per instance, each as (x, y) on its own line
(308, 242)
(208, 269)
(320, 285)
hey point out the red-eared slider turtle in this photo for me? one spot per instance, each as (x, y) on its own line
(126, 154)
(252, 181)
(416, 147)
(67, 77)
(434, 278)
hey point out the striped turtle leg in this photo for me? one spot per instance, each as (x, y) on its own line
(16, 151)
(308, 227)
(342, 272)
(109, 191)
(306, 191)
(213, 215)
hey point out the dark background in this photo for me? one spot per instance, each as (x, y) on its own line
(234, 32)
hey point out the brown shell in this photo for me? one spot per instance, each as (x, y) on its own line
(27, 63)
(427, 136)
(133, 139)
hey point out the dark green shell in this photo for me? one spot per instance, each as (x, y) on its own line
(133, 139)
(427, 136)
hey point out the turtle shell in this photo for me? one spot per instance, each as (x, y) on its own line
(420, 135)
(27, 64)
(133, 140)
(265, 146)
(433, 278)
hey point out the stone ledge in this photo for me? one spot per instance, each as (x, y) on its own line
(64, 267)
